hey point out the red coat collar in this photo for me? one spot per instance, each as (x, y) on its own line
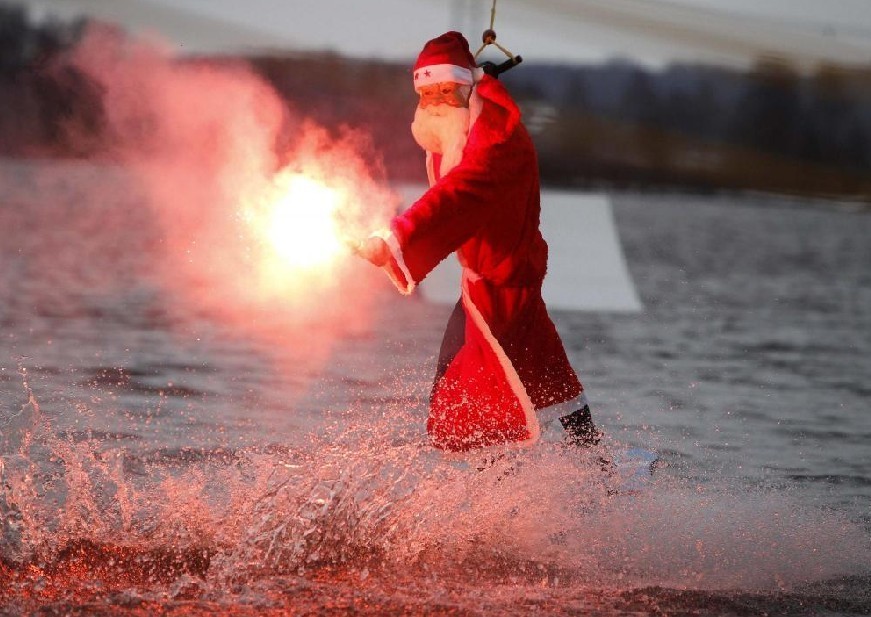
(499, 114)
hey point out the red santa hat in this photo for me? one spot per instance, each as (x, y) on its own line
(445, 58)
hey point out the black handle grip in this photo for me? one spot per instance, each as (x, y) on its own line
(495, 70)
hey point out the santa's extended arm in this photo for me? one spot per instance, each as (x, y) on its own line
(447, 215)
(458, 205)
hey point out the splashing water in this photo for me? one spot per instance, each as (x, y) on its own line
(370, 508)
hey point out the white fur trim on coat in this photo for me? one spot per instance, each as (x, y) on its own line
(396, 251)
(557, 411)
(510, 372)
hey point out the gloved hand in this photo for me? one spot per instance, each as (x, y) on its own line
(374, 250)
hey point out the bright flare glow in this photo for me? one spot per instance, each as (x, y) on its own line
(301, 224)
(297, 226)
(296, 223)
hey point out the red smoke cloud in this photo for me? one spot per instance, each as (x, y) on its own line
(201, 140)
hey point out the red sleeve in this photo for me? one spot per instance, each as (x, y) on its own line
(456, 207)
(447, 215)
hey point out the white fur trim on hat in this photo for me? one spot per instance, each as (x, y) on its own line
(437, 73)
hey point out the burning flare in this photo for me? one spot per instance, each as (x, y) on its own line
(296, 221)
(302, 224)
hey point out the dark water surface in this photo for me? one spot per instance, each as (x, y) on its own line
(157, 458)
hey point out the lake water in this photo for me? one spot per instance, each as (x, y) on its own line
(160, 454)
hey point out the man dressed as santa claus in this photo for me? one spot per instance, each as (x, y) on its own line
(503, 375)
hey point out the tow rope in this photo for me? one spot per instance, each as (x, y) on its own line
(489, 38)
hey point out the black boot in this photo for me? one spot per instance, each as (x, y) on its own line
(580, 430)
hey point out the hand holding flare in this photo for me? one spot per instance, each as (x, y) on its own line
(373, 249)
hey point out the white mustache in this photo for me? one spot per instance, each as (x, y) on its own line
(438, 110)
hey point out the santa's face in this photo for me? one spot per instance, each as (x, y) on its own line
(444, 93)
(441, 121)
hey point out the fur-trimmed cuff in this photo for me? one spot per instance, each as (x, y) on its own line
(558, 410)
(396, 269)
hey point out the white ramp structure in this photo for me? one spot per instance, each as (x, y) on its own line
(586, 269)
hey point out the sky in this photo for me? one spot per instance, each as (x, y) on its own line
(654, 32)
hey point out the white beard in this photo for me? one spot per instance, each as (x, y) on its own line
(442, 129)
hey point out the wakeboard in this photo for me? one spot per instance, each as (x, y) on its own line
(633, 469)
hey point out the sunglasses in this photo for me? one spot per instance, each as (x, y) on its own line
(444, 93)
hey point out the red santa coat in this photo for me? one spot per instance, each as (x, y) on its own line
(511, 373)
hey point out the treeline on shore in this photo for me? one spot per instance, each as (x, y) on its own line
(617, 125)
